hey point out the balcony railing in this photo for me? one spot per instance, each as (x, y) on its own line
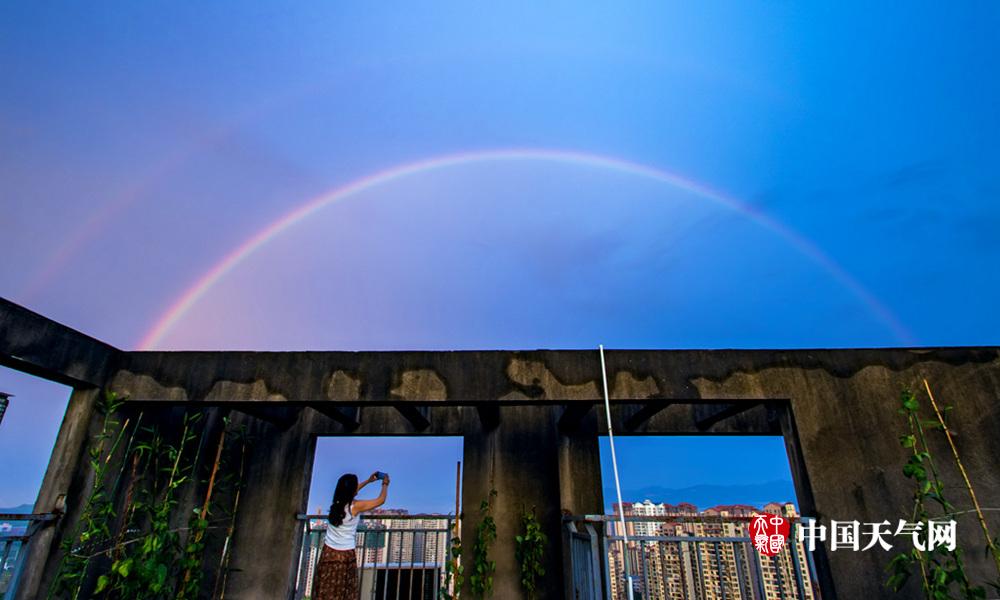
(684, 557)
(399, 556)
(14, 538)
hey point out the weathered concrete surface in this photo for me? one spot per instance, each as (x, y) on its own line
(848, 430)
(63, 477)
(489, 376)
(520, 460)
(837, 409)
(267, 531)
(34, 344)
(843, 403)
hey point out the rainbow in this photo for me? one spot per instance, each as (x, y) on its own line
(193, 294)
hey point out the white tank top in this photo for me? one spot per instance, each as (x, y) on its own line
(342, 537)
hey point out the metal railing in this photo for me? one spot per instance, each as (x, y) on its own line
(684, 558)
(399, 556)
(15, 533)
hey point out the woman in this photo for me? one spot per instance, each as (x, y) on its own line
(337, 571)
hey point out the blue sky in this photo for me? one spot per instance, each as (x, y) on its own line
(424, 486)
(143, 143)
(701, 470)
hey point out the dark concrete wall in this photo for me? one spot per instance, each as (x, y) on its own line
(532, 468)
(66, 477)
(848, 431)
(842, 403)
(34, 344)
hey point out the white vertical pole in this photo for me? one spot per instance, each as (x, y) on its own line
(614, 467)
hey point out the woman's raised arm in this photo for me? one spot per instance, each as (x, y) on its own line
(361, 506)
(367, 481)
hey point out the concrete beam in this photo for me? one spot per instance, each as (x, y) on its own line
(713, 416)
(349, 417)
(513, 378)
(418, 416)
(42, 347)
(648, 411)
(281, 417)
(489, 416)
(572, 415)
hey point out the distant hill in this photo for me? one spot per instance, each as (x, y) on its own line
(707, 496)
(24, 508)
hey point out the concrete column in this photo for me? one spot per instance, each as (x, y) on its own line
(580, 487)
(530, 465)
(266, 538)
(65, 476)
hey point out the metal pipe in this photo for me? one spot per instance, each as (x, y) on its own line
(796, 563)
(759, 570)
(701, 571)
(740, 571)
(680, 562)
(614, 467)
(777, 576)
(718, 565)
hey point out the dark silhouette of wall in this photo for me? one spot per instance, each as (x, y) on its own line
(530, 422)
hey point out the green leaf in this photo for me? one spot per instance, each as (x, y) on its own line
(125, 567)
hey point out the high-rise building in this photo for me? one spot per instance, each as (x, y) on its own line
(677, 552)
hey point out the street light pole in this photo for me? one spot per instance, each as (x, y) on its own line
(4, 402)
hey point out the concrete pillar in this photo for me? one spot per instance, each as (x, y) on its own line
(580, 488)
(530, 465)
(65, 476)
(266, 538)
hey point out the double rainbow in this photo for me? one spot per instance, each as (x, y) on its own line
(196, 291)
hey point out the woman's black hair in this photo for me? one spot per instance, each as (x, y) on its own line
(347, 489)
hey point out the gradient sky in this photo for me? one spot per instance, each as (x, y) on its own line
(143, 143)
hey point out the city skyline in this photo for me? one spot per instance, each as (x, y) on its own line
(679, 552)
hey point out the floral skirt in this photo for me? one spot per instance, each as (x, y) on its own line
(336, 575)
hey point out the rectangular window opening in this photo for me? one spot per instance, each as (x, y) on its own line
(403, 547)
(691, 506)
(31, 412)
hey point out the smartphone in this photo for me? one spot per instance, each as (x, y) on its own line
(379, 475)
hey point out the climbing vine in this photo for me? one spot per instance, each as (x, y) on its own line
(481, 578)
(197, 525)
(93, 526)
(453, 572)
(147, 563)
(530, 550)
(222, 574)
(134, 542)
(942, 571)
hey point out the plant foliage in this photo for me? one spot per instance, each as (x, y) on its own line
(942, 571)
(135, 542)
(453, 572)
(530, 551)
(93, 528)
(481, 578)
